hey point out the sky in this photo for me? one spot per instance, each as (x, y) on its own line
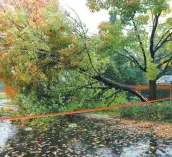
(92, 20)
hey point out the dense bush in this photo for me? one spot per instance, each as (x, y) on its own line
(165, 111)
(29, 106)
(160, 111)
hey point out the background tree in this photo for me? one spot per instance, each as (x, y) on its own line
(140, 31)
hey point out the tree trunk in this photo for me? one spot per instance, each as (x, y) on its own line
(152, 89)
(116, 85)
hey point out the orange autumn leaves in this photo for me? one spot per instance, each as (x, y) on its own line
(39, 40)
(105, 31)
(10, 91)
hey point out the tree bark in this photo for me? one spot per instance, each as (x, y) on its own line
(152, 89)
(116, 85)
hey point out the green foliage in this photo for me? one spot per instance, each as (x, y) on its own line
(165, 110)
(157, 111)
(28, 106)
(152, 71)
(124, 71)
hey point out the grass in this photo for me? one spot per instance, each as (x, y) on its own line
(3, 96)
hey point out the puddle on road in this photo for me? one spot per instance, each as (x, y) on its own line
(7, 131)
(83, 137)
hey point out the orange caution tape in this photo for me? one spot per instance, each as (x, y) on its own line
(81, 111)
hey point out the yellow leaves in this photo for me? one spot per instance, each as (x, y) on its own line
(28, 64)
(42, 76)
(1, 53)
(131, 3)
(71, 46)
(169, 22)
(75, 64)
(88, 43)
(107, 36)
(9, 41)
(18, 22)
(3, 21)
(4, 56)
(165, 64)
(105, 31)
(34, 68)
(105, 26)
(92, 6)
(10, 37)
(67, 37)
(142, 19)
(62, 59)
(102, 35)
(31, 23)
(67, 52)
(63, 53)
(166, 12)
(24, 77)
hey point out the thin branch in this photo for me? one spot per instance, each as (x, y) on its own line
(141, 45)
(115, 95)
(155, 24)
(164, 41)
(166, 61)
(135, 61)
(163, 37)
(84, 86)
(103, 87)
(163, 71)
(83, 36)
(163, 58)
(124, 56)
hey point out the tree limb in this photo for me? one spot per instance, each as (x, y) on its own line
(116, 85)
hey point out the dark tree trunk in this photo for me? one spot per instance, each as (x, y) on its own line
(116, 85)
(152, 89)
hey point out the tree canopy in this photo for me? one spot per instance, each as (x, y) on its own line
(47, 55)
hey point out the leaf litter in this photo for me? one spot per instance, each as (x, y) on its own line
(80, 136)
